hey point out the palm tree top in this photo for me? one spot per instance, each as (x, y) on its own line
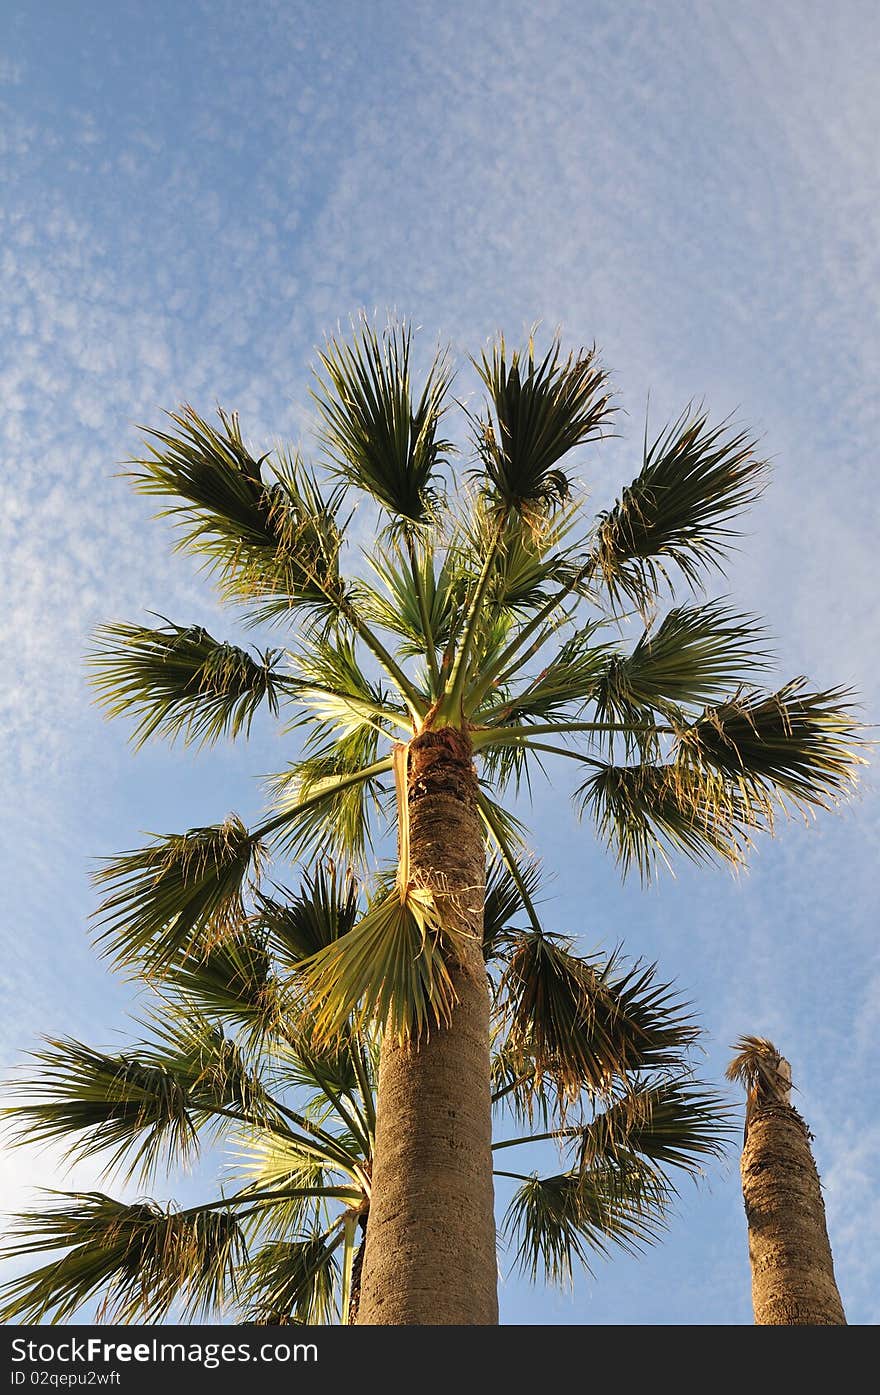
(492, 607)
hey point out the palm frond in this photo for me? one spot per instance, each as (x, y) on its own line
(232, 979)
(338, 697)
(140, 1259)
(277, 543)
(585, 1024)
(93, 1101)
(180, 681)
(529, 563)
(327, 798)
(379, 438)
(694, 480)
(324, 909)
(763, 1073)
(565, 1219)
(185, 888)
(694, 656)
(792, 746)
(393, 969)
(674, 1123)
(538, 412)
(396, 606)
(504, 901)
(562, 687)
(294, 1282)
(143, 1106)
(647, 812)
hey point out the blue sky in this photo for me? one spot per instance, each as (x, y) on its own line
(195, 193)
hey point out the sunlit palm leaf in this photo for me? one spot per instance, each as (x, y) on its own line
(647, 812)
(560, 690)
(393, 968)
(396, 606)
(143, 1106)
(695, 655)
(529, 564)
(792, 745)
(694, 480)
(380, 439)
(539, 412)
(139, 1258)
(328, 797)
(276, 542)
(294, 1281)
(338, 698)
(180, 681)
(564, 1220)
(185, 888)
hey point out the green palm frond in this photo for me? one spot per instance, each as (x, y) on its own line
(397, 608)
(328, 798)
(140, 1259)
(218, 1080)
(792, 746)
(504, 901)
(286, 1190)
(674, 1123)
(232, 979)
(324, 909)
(142, 1107)
(338, 697)
(694, 480)
(294, 1281)
(538, 413)
(184, 889)
(647, 812)
(586, 1024)
(528, 563)
(379, 438)
(565, 1219)
(276, 543)
(392, 968)
(694, 656)
(560, 690)
(93, 1101)
(180, 681)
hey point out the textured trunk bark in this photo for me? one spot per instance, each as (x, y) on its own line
(430, 1251)
(793, 1281)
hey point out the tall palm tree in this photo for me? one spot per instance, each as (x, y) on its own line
(477, 637)
(231, 1058)
(793, 1282)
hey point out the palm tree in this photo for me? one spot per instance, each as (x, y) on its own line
(231, 1057)
(793, 1282)
(478, 637)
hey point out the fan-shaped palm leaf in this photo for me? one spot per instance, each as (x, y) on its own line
(379, 439)
(180, 681)
(142, 1258)
(694, 480)
(539, 412)
(184, 889)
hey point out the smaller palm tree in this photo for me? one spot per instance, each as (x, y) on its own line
(231, 1056)
(793, 1282)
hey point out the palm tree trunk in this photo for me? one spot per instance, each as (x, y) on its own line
(792, 1271)
(430, 1251)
